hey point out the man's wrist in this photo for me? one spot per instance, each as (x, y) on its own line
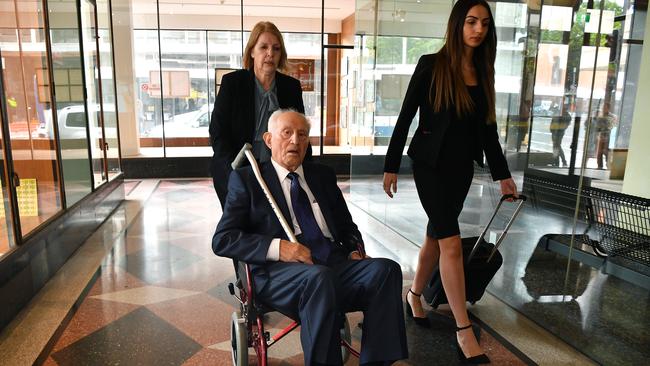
(273, 254)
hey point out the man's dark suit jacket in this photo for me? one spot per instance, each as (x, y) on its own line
(248, 223)
(428, 138)
(233, 119)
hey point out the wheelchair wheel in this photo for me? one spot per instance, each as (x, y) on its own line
(238, 340)
(346, 335)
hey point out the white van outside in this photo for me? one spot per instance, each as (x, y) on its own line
(72, 122)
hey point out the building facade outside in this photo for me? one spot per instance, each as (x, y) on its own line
(137, 79)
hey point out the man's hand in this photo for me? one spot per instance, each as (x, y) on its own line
(390, 184)
(356, 256)
(294, 252)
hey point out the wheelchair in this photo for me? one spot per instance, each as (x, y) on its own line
(247, 324)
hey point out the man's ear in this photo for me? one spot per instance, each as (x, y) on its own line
(267, 138)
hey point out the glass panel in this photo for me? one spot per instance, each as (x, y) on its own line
(584, 74)
(185, 91)
(335, 139)
(394, 37)
(93, 93)
(71, 114)
(146, 60)
(27, 88)
(7, 239)
(108, 88)
(569, 90)
(514, 47)
(614, 204)
(224, 55)
(301, 32)
(303, 50)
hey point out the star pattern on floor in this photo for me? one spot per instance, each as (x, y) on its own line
(145, 295)
(161, 296)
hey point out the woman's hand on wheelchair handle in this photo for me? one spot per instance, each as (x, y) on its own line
(294, 252)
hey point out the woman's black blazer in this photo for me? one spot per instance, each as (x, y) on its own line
(233, 118)
(427, 140)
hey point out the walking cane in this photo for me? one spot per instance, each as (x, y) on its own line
(246, 151)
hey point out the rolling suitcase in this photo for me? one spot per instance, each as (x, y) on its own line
(482, 261)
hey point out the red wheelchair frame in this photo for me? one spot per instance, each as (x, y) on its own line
(247, 326)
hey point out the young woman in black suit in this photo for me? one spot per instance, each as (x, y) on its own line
(454, 92)
(247, 98)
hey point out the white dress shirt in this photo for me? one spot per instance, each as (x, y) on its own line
(273, 253)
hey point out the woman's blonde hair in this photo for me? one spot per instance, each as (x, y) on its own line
(258, 29)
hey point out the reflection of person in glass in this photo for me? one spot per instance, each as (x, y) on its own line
(247, 98)
(454, 91)
(558, 127)
(603, 126)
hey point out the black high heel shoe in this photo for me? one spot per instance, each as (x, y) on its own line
(423, 322)
(474, 360)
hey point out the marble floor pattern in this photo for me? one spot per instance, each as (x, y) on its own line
(160, 296)
(576, 302)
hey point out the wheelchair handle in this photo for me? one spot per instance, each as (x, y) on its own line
(241, 156)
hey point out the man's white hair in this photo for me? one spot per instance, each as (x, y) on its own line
(273, 120)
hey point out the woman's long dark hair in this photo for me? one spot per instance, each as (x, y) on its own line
(447, 86)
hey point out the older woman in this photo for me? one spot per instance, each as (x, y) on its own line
(247, 98)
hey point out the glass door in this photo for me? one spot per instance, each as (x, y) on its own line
(92, 77)
(28, 115)
(7, 239)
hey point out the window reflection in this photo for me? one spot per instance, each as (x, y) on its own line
(7, 240)
(71, 113)
(27, 87)
(108, 87)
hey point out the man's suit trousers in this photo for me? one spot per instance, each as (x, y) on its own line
(319, 295)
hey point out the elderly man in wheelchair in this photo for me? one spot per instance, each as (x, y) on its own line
(319, 274)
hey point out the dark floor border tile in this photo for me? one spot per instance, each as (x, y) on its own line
(26, 268)
(132, 188)
(504, 342)
(45, 352)
(199, 166)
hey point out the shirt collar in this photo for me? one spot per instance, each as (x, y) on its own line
(260, 88)
(282, 171)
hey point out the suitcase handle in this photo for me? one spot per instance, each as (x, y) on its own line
(521, 198)
(508, 196)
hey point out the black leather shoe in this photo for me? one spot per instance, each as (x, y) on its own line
(474, 360)
(421, 321)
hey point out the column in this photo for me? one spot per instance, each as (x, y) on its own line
(125, 76)
(637, 168)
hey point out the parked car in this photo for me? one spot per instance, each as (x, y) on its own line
(190, 124)
(546, 108)
(195, 119)
(72, 122)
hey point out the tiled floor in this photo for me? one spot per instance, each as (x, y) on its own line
(601, 315)
(161, 295)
